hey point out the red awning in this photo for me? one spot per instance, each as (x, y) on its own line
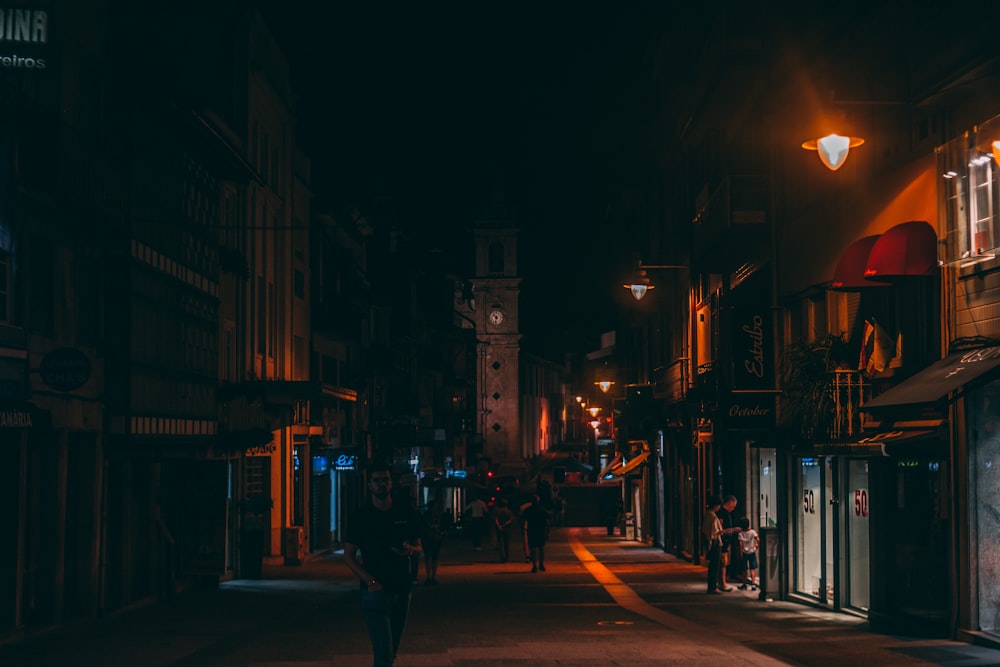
(849, 276)
(906, 250)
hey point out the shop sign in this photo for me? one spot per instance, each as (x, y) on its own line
(751, 336)
(65, 369)
(15, 416)
(861, 503)
(750, 409)
(22, 32)
(346, 462)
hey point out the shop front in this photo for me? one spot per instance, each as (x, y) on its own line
(926, 483)
(868, 521)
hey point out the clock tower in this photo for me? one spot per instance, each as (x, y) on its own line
(496, 287)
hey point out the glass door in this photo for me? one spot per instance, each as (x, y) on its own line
(815, 563)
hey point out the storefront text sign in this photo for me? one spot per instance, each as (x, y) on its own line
(23, 35)
(65, 369)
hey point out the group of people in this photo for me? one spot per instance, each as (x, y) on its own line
(532, 518)
(731, 546)
(385, 538)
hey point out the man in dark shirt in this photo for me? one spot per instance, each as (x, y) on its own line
(387, 534)
(725, 515)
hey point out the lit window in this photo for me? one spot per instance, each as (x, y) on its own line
(969, 196)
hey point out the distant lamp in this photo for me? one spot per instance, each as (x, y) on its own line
(593, 410)
(594, 423)
(833, 149)
(605, 385)
(995, 145)
(641, 284)
(579, 399)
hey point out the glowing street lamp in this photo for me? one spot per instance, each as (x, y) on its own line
(833, 149)
(641, 283)
(593, 410)
(605, 385)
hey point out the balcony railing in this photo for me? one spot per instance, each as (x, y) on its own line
(848, 392)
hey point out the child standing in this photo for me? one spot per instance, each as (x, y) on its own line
(749, 543)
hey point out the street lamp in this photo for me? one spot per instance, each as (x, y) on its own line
(605, 385)
(641, 283)
(833, 149)
(593, 410)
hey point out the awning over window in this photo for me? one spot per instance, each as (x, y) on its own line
(906, 250)
(875, 444)
(936, 382)
(849, 276)
(624, 467)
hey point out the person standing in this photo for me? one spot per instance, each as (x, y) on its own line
(725, 515)
(536, 526)
(432, 540)
(503, 519)
(387, 534)
(711, 528)
(749, 544)
(476, 512)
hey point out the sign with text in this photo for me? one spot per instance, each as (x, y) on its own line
(24, 36)
(751, 336)
(750, 410)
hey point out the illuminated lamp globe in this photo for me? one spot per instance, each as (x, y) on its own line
(833, 149)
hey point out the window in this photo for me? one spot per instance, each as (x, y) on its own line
(496, 263)
(969, 196)
(299, 283)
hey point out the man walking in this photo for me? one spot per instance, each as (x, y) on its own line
(503, 519)
(387, 534)
(476, 513)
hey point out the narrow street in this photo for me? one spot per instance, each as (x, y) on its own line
(601, 601)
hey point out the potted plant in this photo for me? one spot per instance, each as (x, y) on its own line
(254, 512)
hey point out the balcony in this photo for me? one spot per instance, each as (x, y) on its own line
(731, 223)
(671, 382)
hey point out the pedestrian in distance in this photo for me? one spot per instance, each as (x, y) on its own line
(711, 529)
(476, 514)
(522, 508)
(613, 515)
(536, 526)
(503, 521)
(749, 544)
(433, 538)
(387, 535)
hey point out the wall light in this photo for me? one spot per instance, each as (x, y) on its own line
(641, 284)
(605, 385)
(833, 149)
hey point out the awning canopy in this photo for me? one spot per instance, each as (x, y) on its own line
(624, 467)
(936, 382)
(875, 444)
(849, 276)
(907, 250)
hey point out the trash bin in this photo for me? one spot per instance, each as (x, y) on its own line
(629, 526)
(293, 545)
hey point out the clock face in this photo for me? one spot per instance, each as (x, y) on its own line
(496, 317)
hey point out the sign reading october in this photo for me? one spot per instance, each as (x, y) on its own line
(23, 28)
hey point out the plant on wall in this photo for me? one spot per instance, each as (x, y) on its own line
(805, 370)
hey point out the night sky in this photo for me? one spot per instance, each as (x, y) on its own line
(441, 106)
